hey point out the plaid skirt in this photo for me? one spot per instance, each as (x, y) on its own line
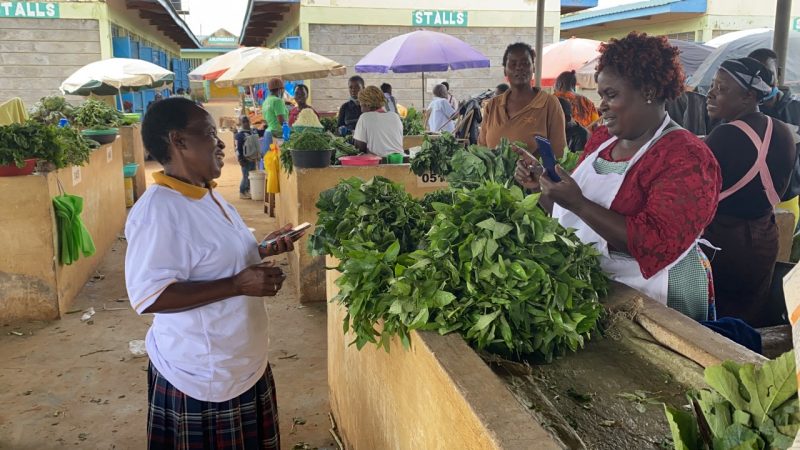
(177, 421)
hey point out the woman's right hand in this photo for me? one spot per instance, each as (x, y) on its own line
(528, 170)
(259, 280)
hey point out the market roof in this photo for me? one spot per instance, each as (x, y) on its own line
(162, 15)
(632, 11)
(570, 6)
(264, 18)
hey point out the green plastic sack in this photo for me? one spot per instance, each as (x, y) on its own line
(73, 238)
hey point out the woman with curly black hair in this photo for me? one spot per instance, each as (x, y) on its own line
(645, 189)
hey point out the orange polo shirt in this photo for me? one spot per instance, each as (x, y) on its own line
(542, 116)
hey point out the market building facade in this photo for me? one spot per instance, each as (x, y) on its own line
(42, 43)
(688, 20)
(346, 30)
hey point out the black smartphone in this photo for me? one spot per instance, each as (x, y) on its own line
(291, 233)
(548, 158)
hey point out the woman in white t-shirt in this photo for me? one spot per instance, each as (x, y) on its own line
(192, 263)
(377, 131)
(440, 111)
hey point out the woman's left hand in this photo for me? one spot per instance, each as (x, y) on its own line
(566, 192)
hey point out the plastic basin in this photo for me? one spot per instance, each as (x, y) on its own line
(12, 170)
(360, 160)
(129, 171)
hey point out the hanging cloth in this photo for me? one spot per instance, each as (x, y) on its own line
(74, 239)
(272, 166)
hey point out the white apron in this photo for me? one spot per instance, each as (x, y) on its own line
(603, 189)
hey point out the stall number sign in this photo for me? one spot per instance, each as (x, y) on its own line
(109, 154)
(431, 180)
(76, 175)
(423, 18)
(30, 10)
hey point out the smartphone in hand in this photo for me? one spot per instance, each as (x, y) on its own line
(548, 158)
(291, 234)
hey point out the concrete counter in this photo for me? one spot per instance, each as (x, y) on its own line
(297, 204)
(441, 394)
(34, 285)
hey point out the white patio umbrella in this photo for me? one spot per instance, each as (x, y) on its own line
(114, 75)
(280, 63)
(216, 66)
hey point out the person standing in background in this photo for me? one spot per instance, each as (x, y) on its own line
(786, 108)
(450, 98)
(577, 136)
(274, 109)
(756, 154)
(440, 111)
(301, 97)
(350, 111)
(523, 111)
(583, 110)
(391, 103)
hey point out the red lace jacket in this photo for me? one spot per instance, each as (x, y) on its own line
(668, 197)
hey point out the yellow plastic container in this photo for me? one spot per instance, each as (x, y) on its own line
(128, 192)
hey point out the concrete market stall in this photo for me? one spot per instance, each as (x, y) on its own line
(442, 394)
(297, 201)
(33, 283)
(133, 152)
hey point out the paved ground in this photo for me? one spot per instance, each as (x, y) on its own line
(75, 384)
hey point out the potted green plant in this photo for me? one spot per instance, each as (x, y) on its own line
(51, 109)
(98, 120)
(26, 146)
(307, 149)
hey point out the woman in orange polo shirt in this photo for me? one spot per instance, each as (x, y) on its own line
(523, 112)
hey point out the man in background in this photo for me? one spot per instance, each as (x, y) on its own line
(450, 99)
(350, 111)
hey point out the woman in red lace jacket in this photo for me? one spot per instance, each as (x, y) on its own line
(645, 189)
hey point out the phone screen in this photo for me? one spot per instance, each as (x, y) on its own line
(291, 233)
(548, 158)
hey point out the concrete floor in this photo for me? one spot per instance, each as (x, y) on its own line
(75, 384)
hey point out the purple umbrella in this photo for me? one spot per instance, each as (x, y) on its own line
(422, 51)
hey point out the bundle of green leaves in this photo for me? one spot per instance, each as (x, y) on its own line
(308, 139)
(488, 263)
(330, 124)
(366, 225)
(412, 123)
(342, 148)
(436, 155)
(746, 407)
(50, 110)
(475, 165)
(96, 115)
(523, 284)
(33, 140)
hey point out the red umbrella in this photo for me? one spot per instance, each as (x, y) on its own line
(571, 54)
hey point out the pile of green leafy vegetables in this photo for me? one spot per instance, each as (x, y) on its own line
(96, 115)
(747, 407)
(436, 155)
(471, 166)
(486, 263)
(62, 147)
(412, 123)
(305, 140)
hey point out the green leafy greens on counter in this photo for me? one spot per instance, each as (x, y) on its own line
(436, 155)
(412, 123)
(487, 263)
(747, 407)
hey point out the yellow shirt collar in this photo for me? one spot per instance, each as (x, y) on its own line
(189, 190)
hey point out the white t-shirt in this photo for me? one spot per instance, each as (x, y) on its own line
(382, 131)
(215, 352)
(439, 119)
